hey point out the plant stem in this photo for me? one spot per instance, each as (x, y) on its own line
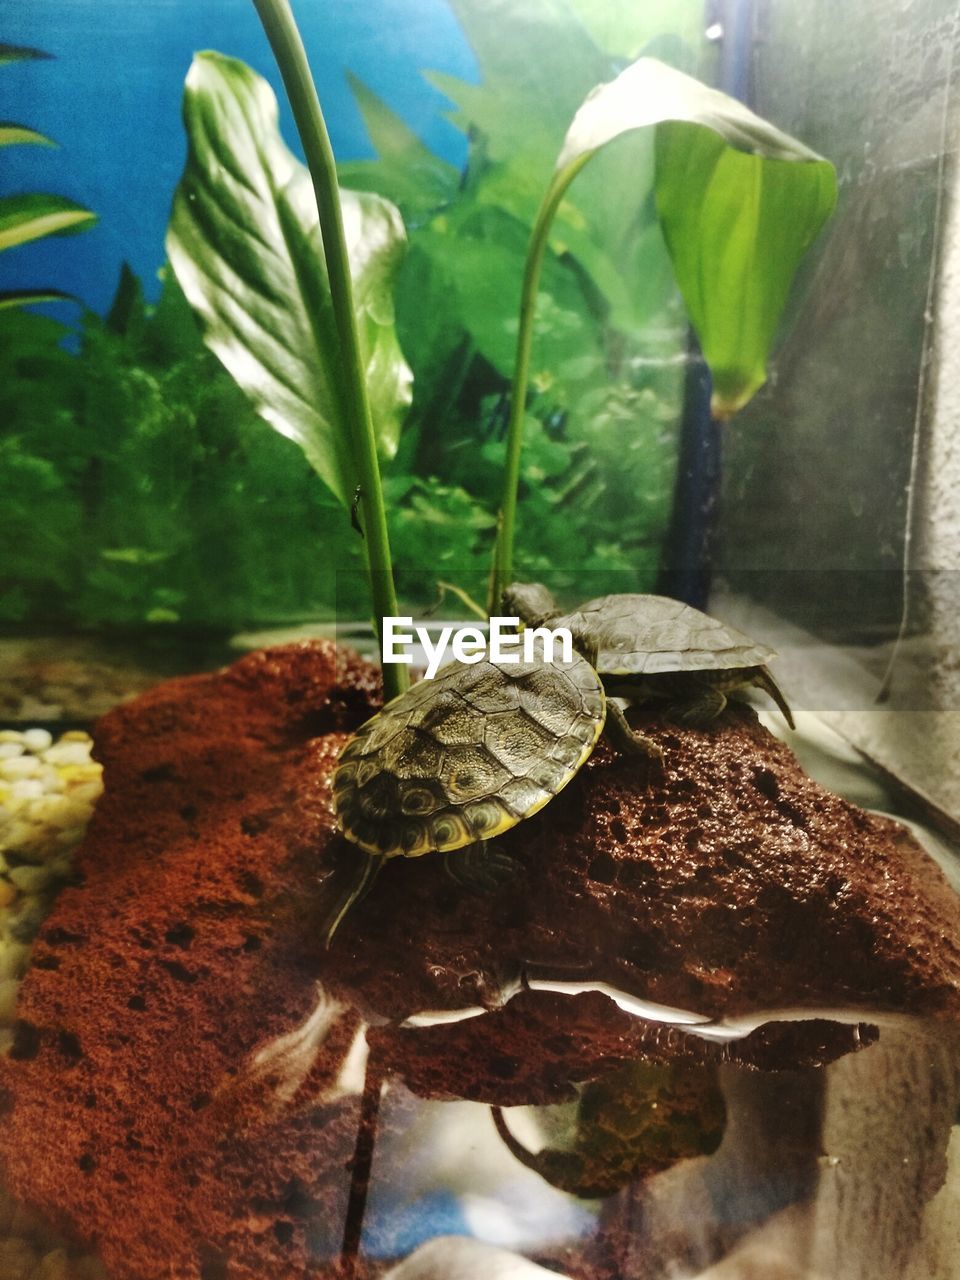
(281, 28)
(502, 573)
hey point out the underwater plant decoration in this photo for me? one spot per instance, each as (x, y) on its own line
(606, 380)
(32, 215)
(139, 486)
(291, 277)
(739, 202)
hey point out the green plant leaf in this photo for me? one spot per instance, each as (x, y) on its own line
(28, 297)
(32, 215)
(737, 227)
(134, 555)
(739, 203)
(12, 133)
(128, 309)
(624, 29)
(481, 257)
(406, 171)
(244, 242)
(19, 52)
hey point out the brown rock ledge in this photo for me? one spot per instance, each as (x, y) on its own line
(173, 1089)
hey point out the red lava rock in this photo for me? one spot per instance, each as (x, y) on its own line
(178, 953)
(173, 1096)
(725, 883)
(533, 1048)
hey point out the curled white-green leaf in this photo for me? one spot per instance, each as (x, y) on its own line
(739, 202)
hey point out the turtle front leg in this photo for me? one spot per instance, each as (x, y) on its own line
(481, 867)
(625, 739)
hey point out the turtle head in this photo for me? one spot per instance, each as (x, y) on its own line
(531, 602)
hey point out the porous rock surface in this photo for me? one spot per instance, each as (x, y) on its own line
(174, 1089)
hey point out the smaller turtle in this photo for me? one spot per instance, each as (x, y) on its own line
(457, 760)
(648, 648)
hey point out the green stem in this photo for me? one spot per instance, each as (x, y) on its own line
(281, 28)
(502, 574)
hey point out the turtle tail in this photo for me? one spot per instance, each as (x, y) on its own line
(347, 889)
(765, 680)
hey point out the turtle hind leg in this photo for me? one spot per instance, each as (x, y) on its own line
(709, 701)
(481, 867)
(626, 739)
(347, 886)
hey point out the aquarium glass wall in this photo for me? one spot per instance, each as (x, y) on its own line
(820, 467)
(839, 479)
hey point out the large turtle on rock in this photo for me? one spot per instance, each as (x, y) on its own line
(458, 760)
(651, 648)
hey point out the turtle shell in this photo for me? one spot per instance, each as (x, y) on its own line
(641, 635)
(467, 755)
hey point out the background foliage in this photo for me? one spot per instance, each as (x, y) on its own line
(139, 486)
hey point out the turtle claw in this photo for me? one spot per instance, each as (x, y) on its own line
(481, 867)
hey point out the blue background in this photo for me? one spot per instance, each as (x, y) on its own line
(111, 100)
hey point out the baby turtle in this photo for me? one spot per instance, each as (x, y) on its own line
(458, 760)
(653, 648)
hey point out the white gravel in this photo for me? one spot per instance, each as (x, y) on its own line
(47, 794)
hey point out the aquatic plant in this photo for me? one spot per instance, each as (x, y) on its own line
(33, 215)
(136, 483)
(137, 486)
(297, 307)
(738, 202)
(597, 471)
(194, 234)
